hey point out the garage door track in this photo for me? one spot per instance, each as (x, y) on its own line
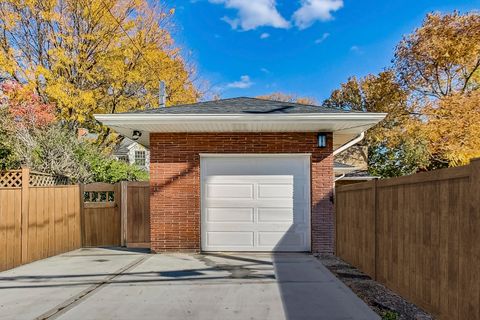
(118, 284)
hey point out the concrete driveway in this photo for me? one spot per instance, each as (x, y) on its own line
(117, 284)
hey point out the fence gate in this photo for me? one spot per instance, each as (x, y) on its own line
(135, 214)
(116, 214)
(101, 220)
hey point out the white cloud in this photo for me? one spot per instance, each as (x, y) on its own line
(244, 83)
(265, 70)
(264, 35)
(253, 13)
(322, 38)
(356, 49)
(313, 10)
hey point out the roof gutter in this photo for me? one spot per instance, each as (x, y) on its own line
(349, 144)
(112, 119)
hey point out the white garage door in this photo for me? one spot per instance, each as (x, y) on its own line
(255, 203)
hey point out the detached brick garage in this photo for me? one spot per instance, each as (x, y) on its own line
(242, 174)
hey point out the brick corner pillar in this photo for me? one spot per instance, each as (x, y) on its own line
(323, 212)
(174, 195)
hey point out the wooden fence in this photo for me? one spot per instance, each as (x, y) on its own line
(419, 235)
(136, 203)
(39, 220)
(116, 214)
(101, 215)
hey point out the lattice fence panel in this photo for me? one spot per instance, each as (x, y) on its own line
(11, 179)
(38, 179)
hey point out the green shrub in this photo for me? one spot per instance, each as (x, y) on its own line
(103, 168)
(389, 315)
(57, 150)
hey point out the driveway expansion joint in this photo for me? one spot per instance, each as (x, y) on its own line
(62, 308)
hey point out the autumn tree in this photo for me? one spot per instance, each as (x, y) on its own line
(393, 147)
(442, 57)
(431, 94)
(286, 97)
(440, 64)
(31, 136)
(89, 56)
(23, 114)
(453, 128)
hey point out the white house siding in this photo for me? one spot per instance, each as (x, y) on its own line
(138, 147)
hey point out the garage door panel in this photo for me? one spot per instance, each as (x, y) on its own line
(246, 179)
(275, 191)
(238, 166)
(233, 215)
(281, 240)
(241, 203)
(232, 238)
(273, 214)
(230, 191)
(251, 226)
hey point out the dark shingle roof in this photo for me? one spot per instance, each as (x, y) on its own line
(242, 105)
(342, 165)
(360, 174)
(122, 147)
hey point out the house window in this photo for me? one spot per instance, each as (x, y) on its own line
(140, 158)
(123, 158)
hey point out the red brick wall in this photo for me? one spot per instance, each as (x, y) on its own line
(175, 182)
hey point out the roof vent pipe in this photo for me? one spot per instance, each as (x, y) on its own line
(162, 94)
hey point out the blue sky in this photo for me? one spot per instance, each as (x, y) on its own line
(304, 47)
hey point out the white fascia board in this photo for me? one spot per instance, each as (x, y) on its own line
(119, 119)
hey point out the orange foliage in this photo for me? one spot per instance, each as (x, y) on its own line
(26, 107)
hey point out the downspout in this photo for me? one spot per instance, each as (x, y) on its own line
(349, 143)
(340, 177)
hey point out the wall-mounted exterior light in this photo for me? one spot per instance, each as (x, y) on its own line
(136, 135)
(322, 140)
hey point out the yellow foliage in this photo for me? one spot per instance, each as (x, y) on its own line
(440, 64)
(93, 56)
(453, 127)
(279, 96)
(442, 57)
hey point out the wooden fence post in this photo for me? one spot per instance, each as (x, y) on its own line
(82, 213)
(375, 217)
(469, 277)
(24, 213)
(123, 211)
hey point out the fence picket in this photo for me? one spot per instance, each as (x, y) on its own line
(41, 221)
(425, 243)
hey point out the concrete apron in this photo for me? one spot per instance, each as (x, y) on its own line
(114, 284)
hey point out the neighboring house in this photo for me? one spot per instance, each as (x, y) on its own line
(351, 166)
(242, 174)
(127, 150)
(132, 152)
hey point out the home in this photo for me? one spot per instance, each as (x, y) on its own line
(126, 150)
(132, 152)
(242, 174)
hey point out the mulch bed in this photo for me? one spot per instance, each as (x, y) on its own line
(386, 303)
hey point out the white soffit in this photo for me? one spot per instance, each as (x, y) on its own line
(345, 126)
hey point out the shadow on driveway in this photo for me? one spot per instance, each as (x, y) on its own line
(77, 285)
